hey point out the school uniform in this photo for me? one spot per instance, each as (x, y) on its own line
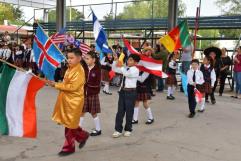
(7, 55)
(171, 71)
(127, 96)
(209, 77)
(193, 77)
(143, 83)
(105, 69)
(92, 90)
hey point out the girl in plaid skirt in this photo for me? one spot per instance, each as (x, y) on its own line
(143, 95)
(171, 80)
(209, 77)
(92, 90)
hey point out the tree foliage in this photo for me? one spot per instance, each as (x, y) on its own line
(144, 9)
(75, 15)
(10, 13)
(231, 8)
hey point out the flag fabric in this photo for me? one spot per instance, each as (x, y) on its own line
(111, 74)
(100, 35)
(82, 46)
(198, 95)
(59, 37)
(146, 64)
(184, 83)
(47, 55)
(17, 102)
(177, 37)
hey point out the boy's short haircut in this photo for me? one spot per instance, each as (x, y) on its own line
(195, 61)
(76, 51)
(135, 57)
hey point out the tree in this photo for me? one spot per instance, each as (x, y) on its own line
(10, 13)
(203, 44)
(75, 14)
(230, 8)
(144, 9)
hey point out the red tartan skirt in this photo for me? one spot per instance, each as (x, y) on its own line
(207, 88)
(92, 104)
(143, 96)
(105, 75)
(171, 80)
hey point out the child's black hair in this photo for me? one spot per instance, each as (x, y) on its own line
(94, 55)
(170, 57)
(195, 61)
(135, 57)
(76, 51)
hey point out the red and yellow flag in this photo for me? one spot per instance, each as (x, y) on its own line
(177, 37)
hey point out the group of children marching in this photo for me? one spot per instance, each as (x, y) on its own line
(76, 99)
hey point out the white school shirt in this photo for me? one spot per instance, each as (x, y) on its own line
(1, 53)
(143, 77)
(32, 59)
(6, 54)
(213, 75)
(198, 75)
(131, 75)
(172, 64)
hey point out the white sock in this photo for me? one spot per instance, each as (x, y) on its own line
(81, 121)
(202, 107)
(149, 113)
(169, 91)
(172, 90)
(104, 89)
(97, 123)
(136, 111)
(107, 88)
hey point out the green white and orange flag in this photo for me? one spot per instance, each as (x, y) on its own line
(17, 102)
(177, 37)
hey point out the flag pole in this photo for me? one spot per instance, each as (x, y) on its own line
(21, 69)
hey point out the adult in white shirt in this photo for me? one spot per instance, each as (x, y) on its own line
(6, 54)
(127, 94)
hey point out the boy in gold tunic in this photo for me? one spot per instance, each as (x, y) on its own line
(70, 101)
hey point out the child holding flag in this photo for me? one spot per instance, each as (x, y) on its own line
(195, 81)
(105, 69)
(69, 105)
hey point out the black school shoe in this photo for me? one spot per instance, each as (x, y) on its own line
(134, 121)
(95, 133)
(170, 98)
(201, 111)
(149, 121)
(213, 101)
(65, 153)
(191, 115)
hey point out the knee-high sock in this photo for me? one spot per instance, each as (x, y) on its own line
(136, 112)
(97, 123)
(169, 91)
(202, 106)
(81, 121)
(172, 90)
(107, 89)
(149, 113)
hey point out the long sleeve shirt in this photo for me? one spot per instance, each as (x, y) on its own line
(199, 77)
(131, 75)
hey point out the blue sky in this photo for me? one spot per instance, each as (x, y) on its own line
(208, 8)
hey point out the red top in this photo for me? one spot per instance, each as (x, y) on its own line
(237, 66)
(93, 80)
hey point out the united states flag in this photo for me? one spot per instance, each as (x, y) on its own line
(59, 37)
(82, 46)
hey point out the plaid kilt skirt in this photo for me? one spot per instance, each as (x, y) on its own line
(200, 88)
(207, 88)
(171, 80)
(105, 75)
(92, 104)
(143, 96)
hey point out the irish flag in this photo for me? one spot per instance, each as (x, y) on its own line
(177, 37)
(17, 102)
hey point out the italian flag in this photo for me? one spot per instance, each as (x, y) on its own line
(177, 37)
(17, 102)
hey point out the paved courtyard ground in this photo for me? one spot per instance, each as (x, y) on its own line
(212, 136)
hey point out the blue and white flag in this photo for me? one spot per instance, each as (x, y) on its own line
(100, 35)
